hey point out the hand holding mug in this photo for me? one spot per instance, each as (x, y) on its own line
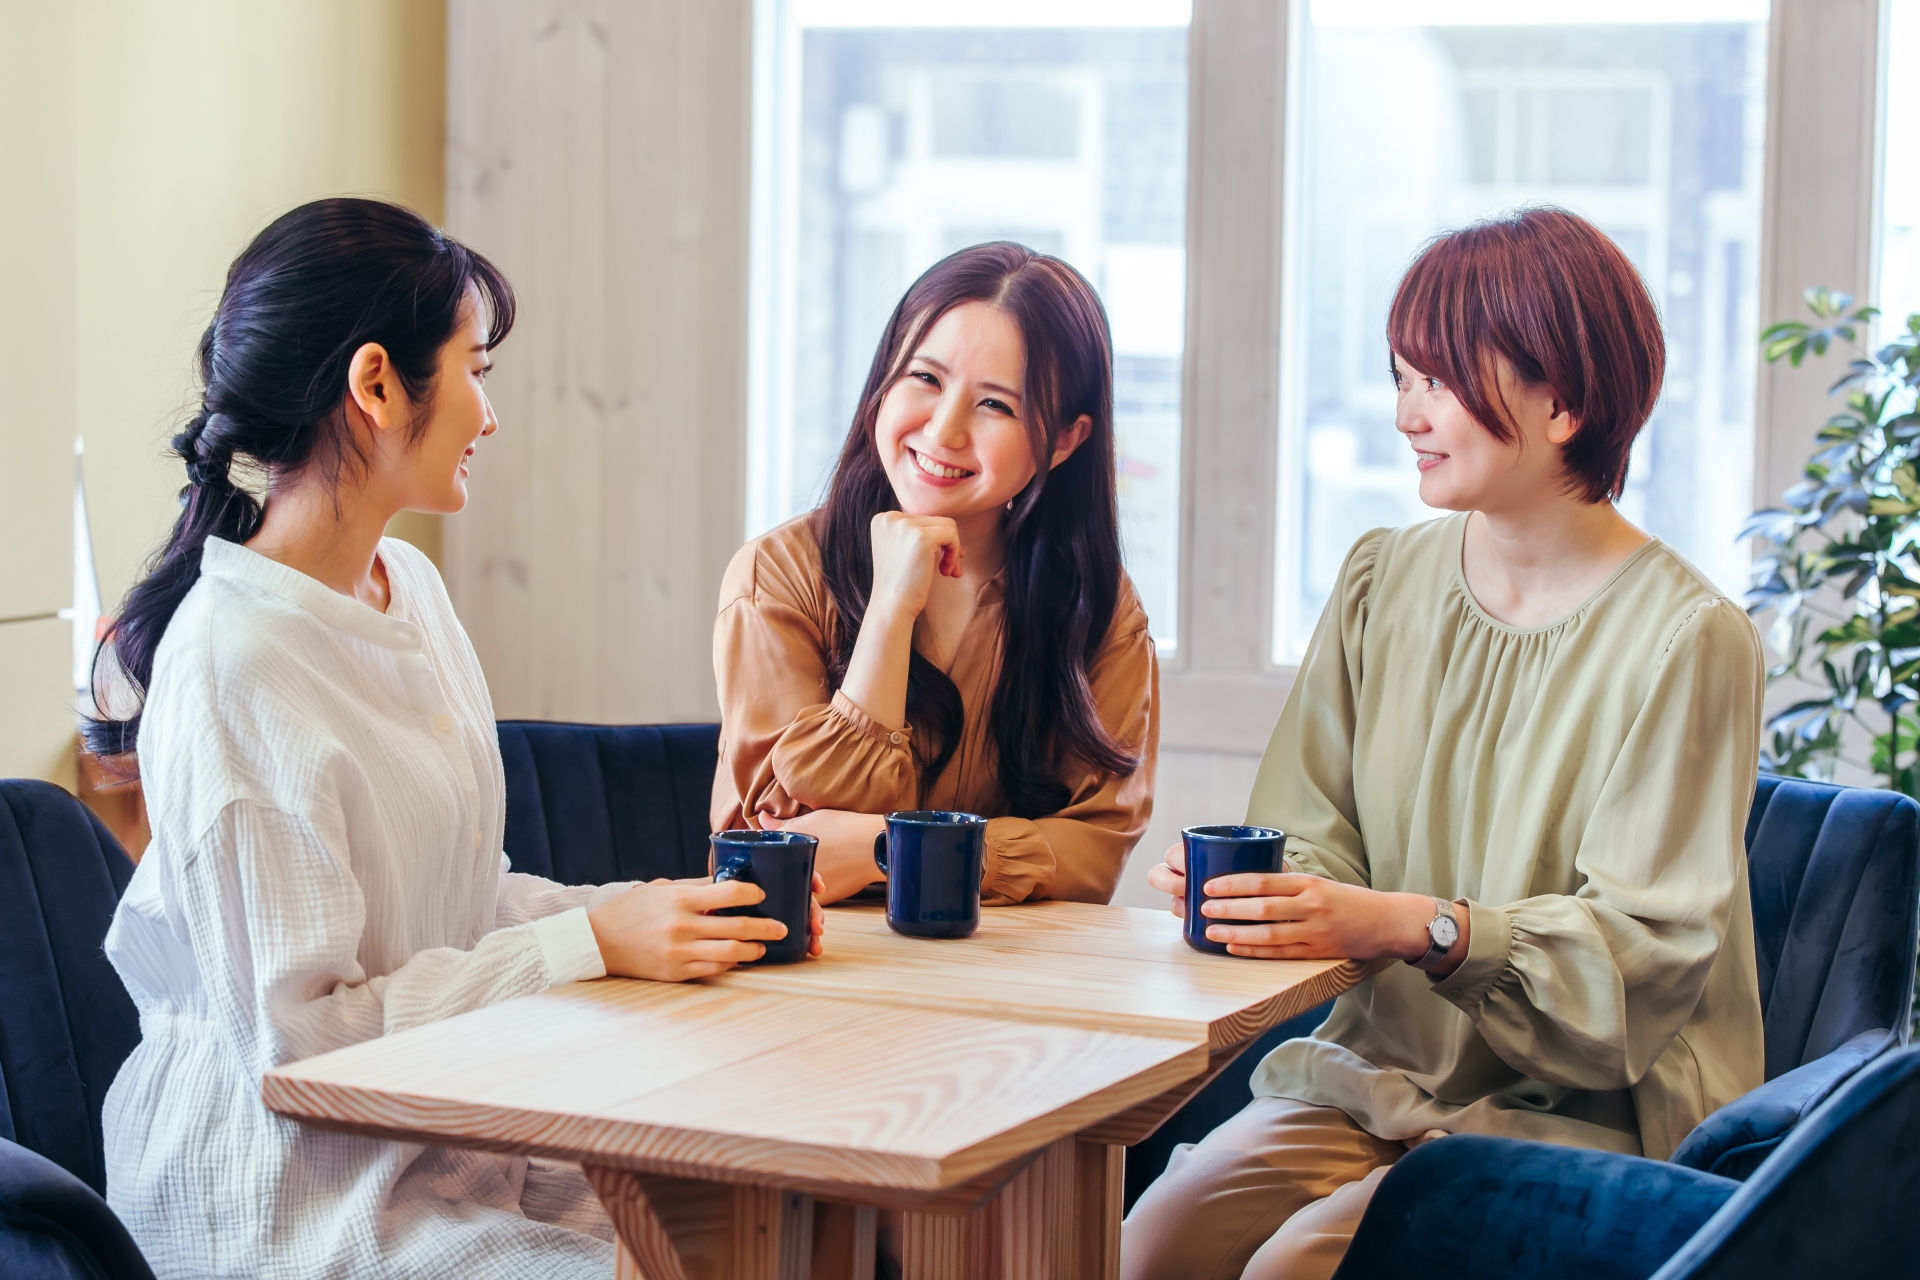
(1301, 917)
(1170, 877)
(665, 931)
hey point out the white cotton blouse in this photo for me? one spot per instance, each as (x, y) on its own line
(327, 805)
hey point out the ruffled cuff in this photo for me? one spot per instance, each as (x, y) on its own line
(1489, 954)
(866, 726)
(568, 946)
(1019, 863)
(836, 756)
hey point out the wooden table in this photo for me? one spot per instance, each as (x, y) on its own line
(969, 1100)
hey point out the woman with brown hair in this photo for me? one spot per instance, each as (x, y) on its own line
(952, 629)
(1518, 757)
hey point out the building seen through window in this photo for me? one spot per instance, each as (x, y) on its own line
(1413, 119)
(1898, 295)
(898, 133)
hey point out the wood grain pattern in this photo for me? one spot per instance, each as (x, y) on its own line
(688, 1081)
(975, 1090)
(1099, 1198)
(1023, 1233)
(844, 1242)
(1137, 1123)
(682, 1229)
(1063, 963)
(598, 152)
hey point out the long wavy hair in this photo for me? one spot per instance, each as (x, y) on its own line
(321, 281)
(1062, 531)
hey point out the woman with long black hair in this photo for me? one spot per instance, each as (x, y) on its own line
(953, 629)
(318, 755)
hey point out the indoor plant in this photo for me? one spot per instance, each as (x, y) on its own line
(1842, 575)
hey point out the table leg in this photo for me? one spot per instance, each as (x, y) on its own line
(1100, 1186)
(844, 1241)
(681, 1229)
(1024, 1232)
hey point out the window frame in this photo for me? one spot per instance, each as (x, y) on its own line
(1222, 691)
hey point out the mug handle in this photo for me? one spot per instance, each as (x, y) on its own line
(733, 868)
(880, 853)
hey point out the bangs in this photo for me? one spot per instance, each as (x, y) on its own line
(1563, 306)
(1440, 323)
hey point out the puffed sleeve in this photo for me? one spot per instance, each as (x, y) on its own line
(1588, 989)
(274, 916)
(1305, 783)
(788, 744)
(1078, 853)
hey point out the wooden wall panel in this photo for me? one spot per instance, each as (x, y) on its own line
(598, 151)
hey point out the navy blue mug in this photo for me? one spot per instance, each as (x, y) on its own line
(933, 860)
(781, 863)
(1223, 851)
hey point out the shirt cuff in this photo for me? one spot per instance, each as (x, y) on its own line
(1489, 947)
(865, 725)
(568, 947)
(1019, 862)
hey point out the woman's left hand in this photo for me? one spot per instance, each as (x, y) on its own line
(1303, 917)
(844, 864)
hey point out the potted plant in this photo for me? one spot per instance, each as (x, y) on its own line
(1843, 572)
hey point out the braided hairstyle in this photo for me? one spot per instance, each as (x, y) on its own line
(318, 284)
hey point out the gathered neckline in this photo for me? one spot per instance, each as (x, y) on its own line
(1487, 619)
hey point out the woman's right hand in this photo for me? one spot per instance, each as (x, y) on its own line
(662, 930)
(1171, 877)
(907, 552)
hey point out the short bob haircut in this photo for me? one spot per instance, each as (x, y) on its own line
(1548, 292)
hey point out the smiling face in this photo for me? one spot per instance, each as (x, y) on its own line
(431, 473)
(951, 431)
(1463, 466)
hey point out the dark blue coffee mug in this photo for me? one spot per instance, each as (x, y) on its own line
(781, 863)
(932, 860)
(1223, 851)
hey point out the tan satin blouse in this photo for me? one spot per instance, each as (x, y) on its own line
(790, 744)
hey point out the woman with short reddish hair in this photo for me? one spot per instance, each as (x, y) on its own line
(1517, 758)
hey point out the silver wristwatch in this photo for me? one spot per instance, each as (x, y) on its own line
(1442, 933)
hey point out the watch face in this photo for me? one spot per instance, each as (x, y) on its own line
(1444, 932)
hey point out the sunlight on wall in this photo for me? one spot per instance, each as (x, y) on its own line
(142, 145)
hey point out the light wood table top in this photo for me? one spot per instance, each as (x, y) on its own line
(979, 1090)
(735, 1085)
(1066, 963)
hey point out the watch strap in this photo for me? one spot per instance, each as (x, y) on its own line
(1435, 952)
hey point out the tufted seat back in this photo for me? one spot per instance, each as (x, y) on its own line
(590, 803)
(1835, 913)
(66, 1023)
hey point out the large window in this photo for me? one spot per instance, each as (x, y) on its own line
(1414, 118)
(889, 135)
(1899, 292)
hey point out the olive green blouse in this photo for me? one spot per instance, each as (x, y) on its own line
(1584, 787)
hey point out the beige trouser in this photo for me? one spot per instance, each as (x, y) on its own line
(1273, 1194)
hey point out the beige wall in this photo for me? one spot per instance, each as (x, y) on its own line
(140, 146)
(37, 384)
(598, 152)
